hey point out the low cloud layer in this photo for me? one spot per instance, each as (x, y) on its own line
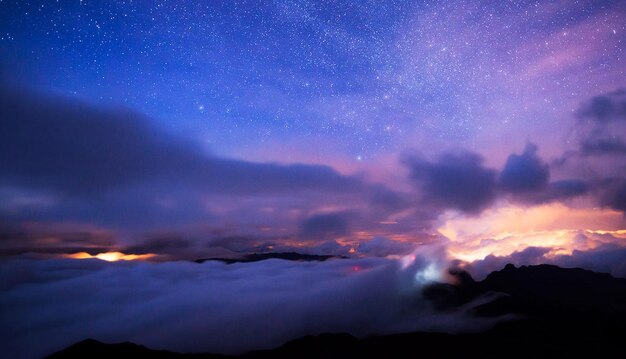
(212, 306)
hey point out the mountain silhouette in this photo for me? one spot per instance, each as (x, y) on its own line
(560, 313)
(256, 257)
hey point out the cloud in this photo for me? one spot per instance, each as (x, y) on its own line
(460, 181)
(614, 194)
(525, 172)
(605, 108)
(606, 258)
(162, 243)
(380, 247)
(325, 226)
(563, 189)
(529, 256)
(454, 181)
(602, 121)
(602, 146)
(210, 306)
(526, 177)
(389, 201)
(65, 160)
(78, 149)
(16, 239)
(553, 191)
(504, 230)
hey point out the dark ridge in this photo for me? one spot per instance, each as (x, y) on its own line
(565, 313)
(91, 348)
(256, 257)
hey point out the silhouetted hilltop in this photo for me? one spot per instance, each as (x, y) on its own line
(255, 257)
(91, 348)
(536, 291)
(564, 313)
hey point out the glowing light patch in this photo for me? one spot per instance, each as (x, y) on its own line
(508, 229)
(111, 256)
(406, 261)
(431, 273)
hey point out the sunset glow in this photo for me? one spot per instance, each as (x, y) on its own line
(508, 229)
(111, 256)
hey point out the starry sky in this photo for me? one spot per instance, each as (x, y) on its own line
(306, 121)
(333, 80)
(404, 136)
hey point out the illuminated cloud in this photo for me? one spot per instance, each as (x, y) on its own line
(507, 229)
(110, 256)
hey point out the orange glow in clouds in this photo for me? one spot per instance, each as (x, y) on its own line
(508, 229)
(111, 256)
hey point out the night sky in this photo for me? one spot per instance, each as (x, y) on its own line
(473, 132)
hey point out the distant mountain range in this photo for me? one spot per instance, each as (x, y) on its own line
(256, 257)
(564, 313)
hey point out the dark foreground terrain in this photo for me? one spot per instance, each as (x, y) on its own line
(564, 313)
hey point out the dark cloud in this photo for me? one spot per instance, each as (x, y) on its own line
(77, 149)
(601, 127)
(454, 181)
(602, 146)
(64, 160)
(165, 243)
(69, 146)
(605, 108)
(601, 151)
(388, 201)
(598, 133)
(564, 189)
(525, 177)
(325, 226)
(525, 172)
(16, 239)
(614, 194)
(380, 247)
(460, 181)
(554, 191)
